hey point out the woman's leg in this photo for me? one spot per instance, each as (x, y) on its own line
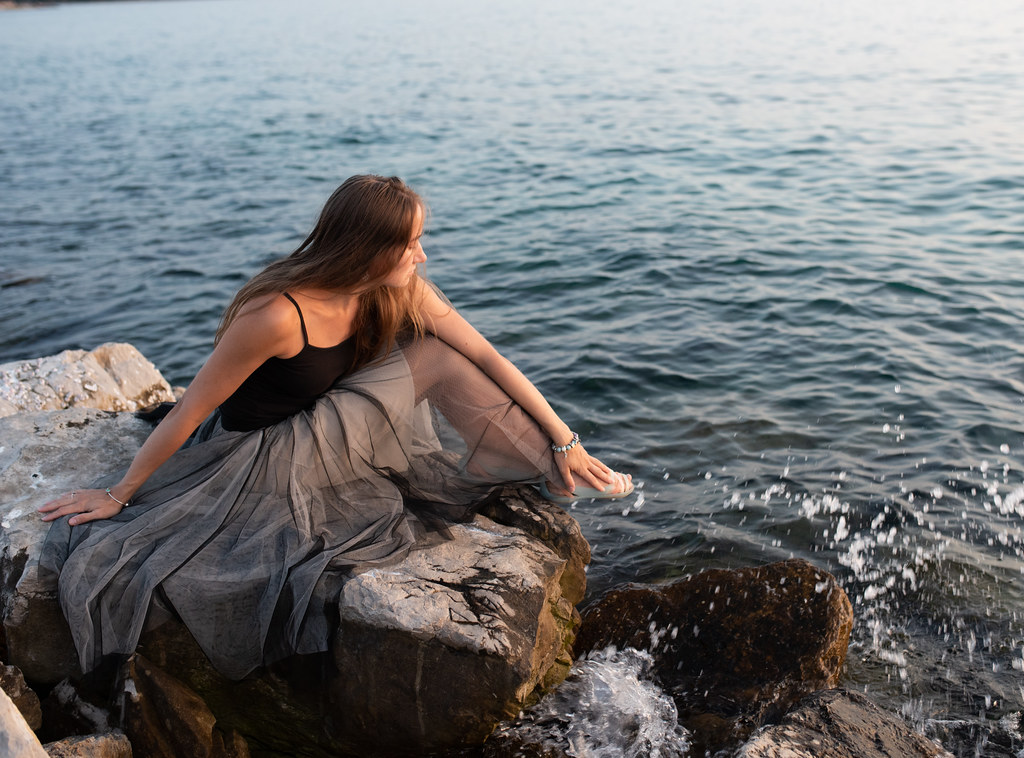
(502, 442)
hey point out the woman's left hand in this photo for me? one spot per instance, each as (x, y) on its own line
(86, 505)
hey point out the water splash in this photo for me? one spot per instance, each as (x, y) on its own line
(931, 557)
(608, 707)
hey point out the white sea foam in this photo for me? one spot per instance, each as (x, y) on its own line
(607, 708)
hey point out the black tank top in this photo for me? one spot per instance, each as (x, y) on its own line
(282, 387)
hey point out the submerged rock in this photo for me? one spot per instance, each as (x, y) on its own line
(735, 648)
(429, 653)
(838, 724)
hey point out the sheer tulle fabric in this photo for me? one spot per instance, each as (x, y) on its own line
(244, 535)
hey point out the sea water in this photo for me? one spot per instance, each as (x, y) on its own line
(764, 256)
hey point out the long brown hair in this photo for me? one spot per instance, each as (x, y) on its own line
(360, 237)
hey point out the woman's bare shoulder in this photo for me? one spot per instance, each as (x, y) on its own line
(432, 301)
(272, 307)
(274, 318)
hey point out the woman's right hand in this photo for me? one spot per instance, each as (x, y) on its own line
(82, 505)
(588, 468)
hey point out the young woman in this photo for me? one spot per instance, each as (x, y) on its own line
(345, 404)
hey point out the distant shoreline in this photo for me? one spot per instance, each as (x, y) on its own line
(12, 5)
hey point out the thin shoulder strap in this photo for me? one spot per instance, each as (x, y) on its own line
(302, 321)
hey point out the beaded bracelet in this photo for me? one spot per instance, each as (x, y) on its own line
(564, 449)
(111, 496)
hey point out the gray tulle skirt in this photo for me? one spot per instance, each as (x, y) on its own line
(241, 535)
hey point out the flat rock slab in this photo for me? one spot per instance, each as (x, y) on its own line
(42, 455)
(840, 724)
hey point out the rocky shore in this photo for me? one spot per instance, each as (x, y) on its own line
(431, 656)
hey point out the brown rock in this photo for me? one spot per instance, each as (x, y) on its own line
(25, 699)
(736, 648)
(839, 724)
(279, 707)
(166, 719)
(109, 745)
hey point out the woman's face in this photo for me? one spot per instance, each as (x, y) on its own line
(411, 258)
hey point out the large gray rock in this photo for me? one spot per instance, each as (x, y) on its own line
(16, 739)
(42, 455)
(431, 652)
(113, 377)
(839, 724)
(471, 630)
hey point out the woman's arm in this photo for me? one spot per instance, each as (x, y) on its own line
(254, 336)
(444, 321)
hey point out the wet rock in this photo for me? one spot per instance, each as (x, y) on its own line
(1003, 739)
(42, 455)
(736, 648)
(166, 719)
(16, 738)
(839, 724)
(108, 745)
(114, 376)
(25, 699)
